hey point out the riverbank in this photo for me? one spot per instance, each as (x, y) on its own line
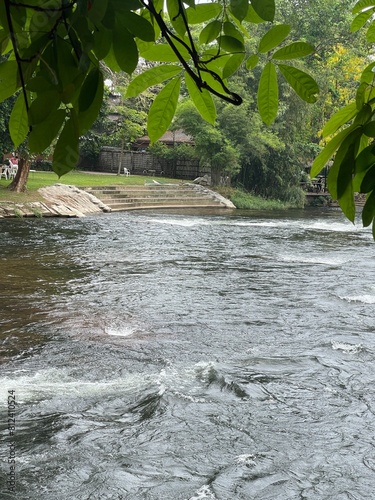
(61, 200)
(43, 199)
(38, 203)
(48, 196)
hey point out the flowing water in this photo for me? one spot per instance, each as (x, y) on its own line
(187, 356)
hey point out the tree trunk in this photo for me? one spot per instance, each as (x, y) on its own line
(215, 176)
(121, 156)
(19, 182)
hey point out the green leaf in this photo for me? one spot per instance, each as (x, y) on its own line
(338, 119)
(3, 17)
(90, 104)
(231, 30)
(66, 153)
(252, 16)
(109, 19)
(67, 64)
(368, 212)
(370, 35)
(346, 170)
(230, 44)
(347, 203)
(39, 84)
(363, 115)
(138, 26)
(369, 129)
(357, 181)
(329, 151)
(120, 5)
(210, 32)
(18, 121)
(150, 77)
(213, 83)
(233, 64)
(161, 53)
(268, 94)
(293, 51)
(302, 83)
(102, 42)
(175, 16)
(111, 61)
(4, 40)
(8, 79)
(42, 135)
(252, 61)
(340, 176)
(360, 95)
(365, 159)
(215, 63)
(89, 89)
(239, 8)
(359, 21)
(125, 49)
(368, 74)
(273, 37)
(97, 10)
(203, 12)
(41, 23)
(264, 8)
(163, 109)
(43, 106)
(362, 4)
(368, 182)
(202, 100)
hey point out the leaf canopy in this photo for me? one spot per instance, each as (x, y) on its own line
(58, 54)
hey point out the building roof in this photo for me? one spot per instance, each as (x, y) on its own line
(170, 138)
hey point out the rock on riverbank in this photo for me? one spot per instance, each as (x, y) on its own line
(60, 200)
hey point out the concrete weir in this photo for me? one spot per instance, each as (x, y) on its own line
(163, 195)
(61, 200)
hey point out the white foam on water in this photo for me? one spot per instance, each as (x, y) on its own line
(303, 259)
(182, 222)
(55, 382)
(248, 460)
(364, 299)
(341, 227)
(348, 348)
(188, 397)
(204, 493)
(46, 384)
(298, 225)
(125, 331)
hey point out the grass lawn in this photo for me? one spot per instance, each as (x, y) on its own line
(74, 178)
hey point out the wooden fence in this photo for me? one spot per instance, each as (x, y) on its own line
(144, 163)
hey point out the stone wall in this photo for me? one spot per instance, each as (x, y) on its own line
(141, 163)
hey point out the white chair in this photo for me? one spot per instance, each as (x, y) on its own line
(4, 171)
(126, 171)
(13, 171)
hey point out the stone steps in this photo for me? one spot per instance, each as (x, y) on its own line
(119, 198)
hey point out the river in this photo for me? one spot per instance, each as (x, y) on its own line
(171, 355)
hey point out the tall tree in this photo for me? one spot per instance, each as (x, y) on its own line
(212, 147)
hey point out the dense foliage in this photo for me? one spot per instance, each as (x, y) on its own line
(54, 51)
(55, 55)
